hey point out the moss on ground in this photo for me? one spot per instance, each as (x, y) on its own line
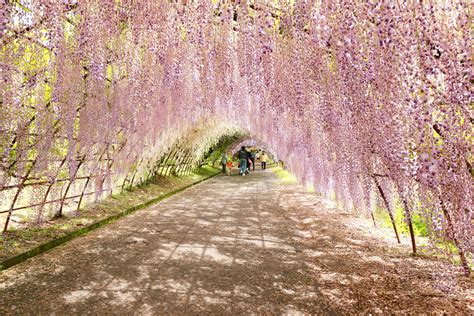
(284, 176)
(419, 226)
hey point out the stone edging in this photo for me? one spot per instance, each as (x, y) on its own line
(10, 262)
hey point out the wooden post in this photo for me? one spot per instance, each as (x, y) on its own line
(156, 168)
(183, 159)
(163, 162)
(410, 224)
(59, 212)
(452, 232)
(183, 163)
(173, 157)
(187, 162)
(17, 194)
(126, 177)
(134, 174)
(192, 161)
(82, 195)
(48, 190)
(123, 184)
(177, 162)
(387, 205)
(368, 206)
(109, 171)
(373, 218)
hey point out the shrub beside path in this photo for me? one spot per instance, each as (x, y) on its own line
(235, 245)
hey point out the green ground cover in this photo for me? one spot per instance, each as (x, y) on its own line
(380, 214)
(284, 176)
(419, 226)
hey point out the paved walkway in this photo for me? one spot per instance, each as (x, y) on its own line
(231, 245)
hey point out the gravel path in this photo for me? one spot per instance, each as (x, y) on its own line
(234, 245)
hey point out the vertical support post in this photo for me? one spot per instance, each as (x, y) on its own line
(82, 195)
(59, 212)
(177, 159)
(452, 232)
(41, 206)
(126, 177)
(162, 165)
(172, 158)
(387, 205)
(186, 162)
(373, 218)
(367, 202)
(178, 167)
(156, 167)
(408, 217)
(134, 174)
(17, 194)
(123, 183)
(176, 162)
(192, 161)
(180, 161)
(109, 170)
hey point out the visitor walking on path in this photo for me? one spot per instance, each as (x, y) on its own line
(253, 154)
(263, 160)
(243, 157)
(229, 167)
(224, 162)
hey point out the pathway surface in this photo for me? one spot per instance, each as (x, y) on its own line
(232, 245)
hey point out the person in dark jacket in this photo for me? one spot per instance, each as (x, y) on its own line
(243, 156)
(253, 155)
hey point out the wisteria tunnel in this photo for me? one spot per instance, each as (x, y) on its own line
(367, 104)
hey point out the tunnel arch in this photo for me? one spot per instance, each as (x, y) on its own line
(359, 98)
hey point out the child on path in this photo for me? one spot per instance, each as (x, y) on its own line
(229, 167)
(224, 162)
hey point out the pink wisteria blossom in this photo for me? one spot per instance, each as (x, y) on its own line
(355, 96)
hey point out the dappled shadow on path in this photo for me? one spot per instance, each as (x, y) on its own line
(232, 245)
